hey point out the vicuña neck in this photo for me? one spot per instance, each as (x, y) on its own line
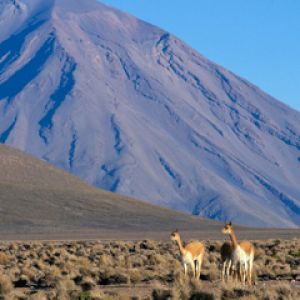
(233, 239)
(181, 248)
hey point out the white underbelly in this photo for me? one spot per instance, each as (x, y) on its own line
(188, 259)
(239, 256)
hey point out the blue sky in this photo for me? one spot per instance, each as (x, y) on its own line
(256, 39)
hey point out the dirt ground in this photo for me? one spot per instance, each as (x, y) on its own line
(208, 230)
(140, 270)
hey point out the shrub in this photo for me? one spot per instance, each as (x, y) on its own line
(105, 260)
(295, 253)
(213, 273)
(6, 285)
(87, 284)
(4, 259)
(97, 295)
(135, 276)
(113, 276)
(65, 285)
(161, 294)
(84, 296)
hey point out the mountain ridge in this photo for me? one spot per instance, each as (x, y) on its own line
(130, 108)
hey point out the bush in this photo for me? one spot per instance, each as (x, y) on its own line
(6, 285)
(113, 276)
(135, 276)
(4, 259)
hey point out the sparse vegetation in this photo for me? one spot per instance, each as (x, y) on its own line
(140, 270)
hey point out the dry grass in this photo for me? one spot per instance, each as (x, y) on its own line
(6, 285)
(140, 270)
(4, 259)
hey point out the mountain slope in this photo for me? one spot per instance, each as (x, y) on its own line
(38, 199)
(130, 108)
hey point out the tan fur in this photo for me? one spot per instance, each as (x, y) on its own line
(195, 248)
(242, 254)
(247, 247)
(191, 254)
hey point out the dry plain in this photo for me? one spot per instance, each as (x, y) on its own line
(139, 269)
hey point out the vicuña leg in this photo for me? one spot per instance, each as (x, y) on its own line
(223, 270)
(245, 272)
(250, 270)
(228, 264)
(193, 265)
(199, 267)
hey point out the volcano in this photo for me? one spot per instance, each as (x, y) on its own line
(132, 109)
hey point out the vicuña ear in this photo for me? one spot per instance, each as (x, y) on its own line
(230, 223)
(176, 230)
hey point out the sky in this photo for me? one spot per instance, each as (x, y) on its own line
(258, 39)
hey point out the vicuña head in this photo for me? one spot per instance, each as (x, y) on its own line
(175, 235)
(227, 229)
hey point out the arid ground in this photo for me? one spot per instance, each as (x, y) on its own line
(141, 269)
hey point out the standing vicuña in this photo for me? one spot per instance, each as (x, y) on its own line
(192, 254)
(226, 253)
(242, 254)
